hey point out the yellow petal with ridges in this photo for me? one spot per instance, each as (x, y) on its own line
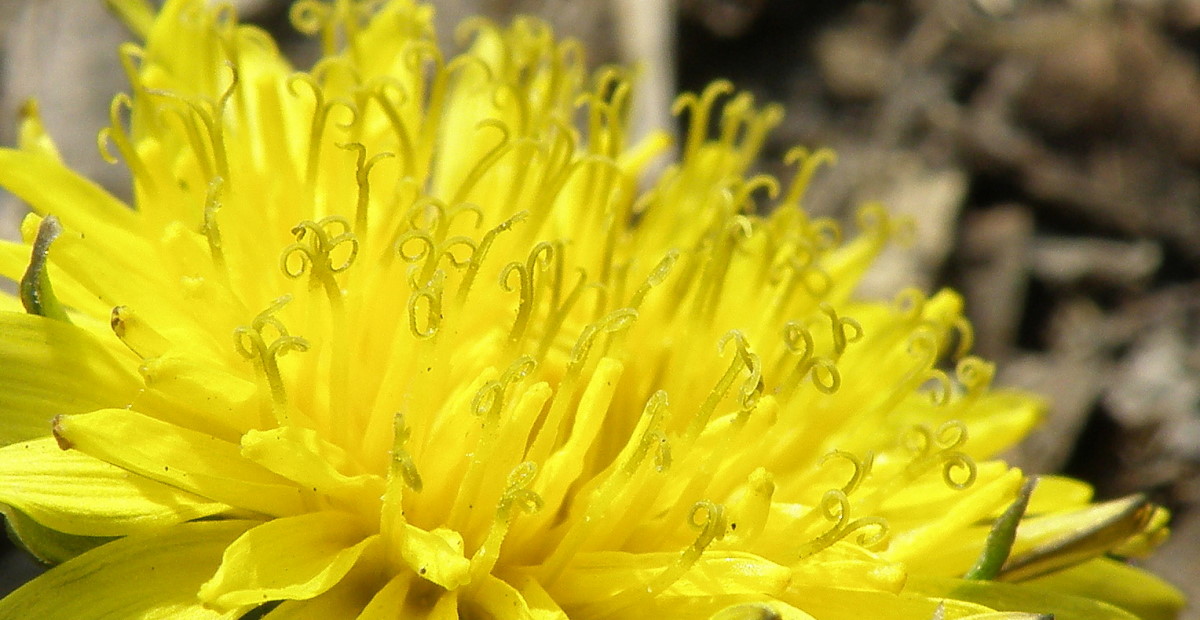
(347, 599)
(49, 367)
(74, 493)
(150, 576)
(180, 457)
(294, 558)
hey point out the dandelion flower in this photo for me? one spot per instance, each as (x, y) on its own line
(413, 336)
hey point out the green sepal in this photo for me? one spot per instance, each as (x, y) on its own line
(1000, 539)
(36, 293)
(47, 545)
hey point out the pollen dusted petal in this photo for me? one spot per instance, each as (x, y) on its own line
(152, 575)
(179, 457)
(294, 558)
(77, 494)
(48, 368)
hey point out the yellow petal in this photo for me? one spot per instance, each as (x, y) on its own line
(606, 575)
(761, 611)
(199, 394)
(843, 563)
(344, 600)
(33, 136)
(123, 274)
(137, 15)
(50, 187)
(49, 368)
(436, 556)
(918, 547)
(152, 576)
(1018, 597)
(288, 558)
(179, 457)
(74, 493)
(847, 603)
(10, 303)
(1136, 591)
(388, 599)
(301, 455)
(717, 607)
(1056, 541)
(495, 599)
(542, 606)
(1055, 493)
(1000, 419)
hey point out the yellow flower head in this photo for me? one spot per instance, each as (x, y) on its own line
(412, 336)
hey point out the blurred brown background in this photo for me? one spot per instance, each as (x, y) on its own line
(1049, 151)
